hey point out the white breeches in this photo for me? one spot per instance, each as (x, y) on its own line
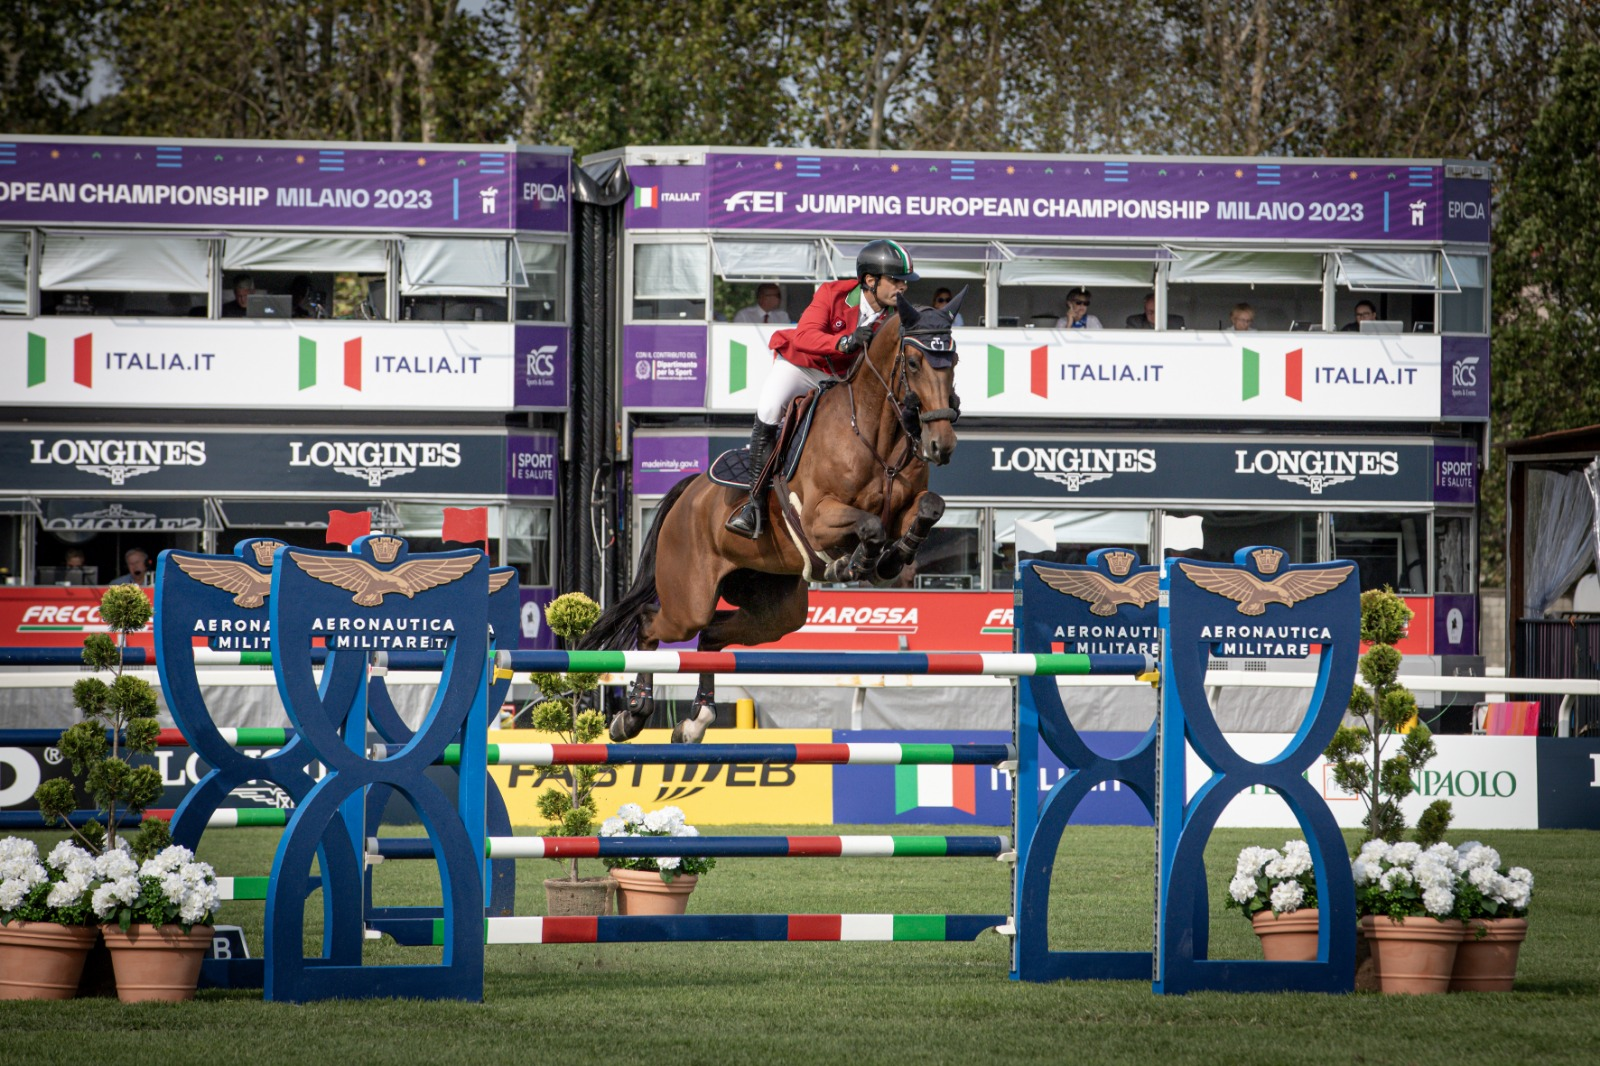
(784, 382)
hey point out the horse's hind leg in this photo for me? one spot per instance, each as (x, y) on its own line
(771, 606)
(627, 723)
(897, 556)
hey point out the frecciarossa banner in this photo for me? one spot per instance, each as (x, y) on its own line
(300, 364)
(1051, 373)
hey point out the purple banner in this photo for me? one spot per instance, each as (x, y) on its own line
(1464, 384)
(536, 635)
(544, 191)
(532, 460)
(664, 367)
(1455, 626)
(1455, 473)
(661, 462)
(542, 375)
(1035, 197)
(267, 184)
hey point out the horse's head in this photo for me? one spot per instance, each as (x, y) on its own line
(923, 377)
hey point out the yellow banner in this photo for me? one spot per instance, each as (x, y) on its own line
(714, 794)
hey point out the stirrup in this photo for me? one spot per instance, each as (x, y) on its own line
(751, 527)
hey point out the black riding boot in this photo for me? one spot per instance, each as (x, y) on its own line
(746, 521)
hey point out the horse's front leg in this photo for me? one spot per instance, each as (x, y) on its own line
(834, 527)
(641, 704)
(692, 730)
(918, 522)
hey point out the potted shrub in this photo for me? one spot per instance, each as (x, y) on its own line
(157, 918)
(653, 885)
(1277, 891)
(569, 803)
(47, 924)
(1493, 903)
(1406, 897)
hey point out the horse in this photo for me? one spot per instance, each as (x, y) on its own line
(857, 508)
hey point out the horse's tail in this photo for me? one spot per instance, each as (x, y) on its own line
(617, 628)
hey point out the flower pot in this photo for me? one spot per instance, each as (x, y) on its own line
(1290, 937)
(586, 897)
(157, 962)
(43, 960)
(1489, 963)
(643, 892)
(1413, 957)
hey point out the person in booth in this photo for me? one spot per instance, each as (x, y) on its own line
(765, 310)
(139, 572)
(1078, 316)
(941, 297)
(836, 327)
(243, 286)
(1365, 312)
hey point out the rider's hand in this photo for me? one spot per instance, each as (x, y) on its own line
(851, 343)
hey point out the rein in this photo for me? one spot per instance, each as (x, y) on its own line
(906, 438)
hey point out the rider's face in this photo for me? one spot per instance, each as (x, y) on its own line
(885, 289)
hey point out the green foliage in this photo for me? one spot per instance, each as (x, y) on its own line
(1382, 710)
(570, 615)
(1433, 823)
(126, 709)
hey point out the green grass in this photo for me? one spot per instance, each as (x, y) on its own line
(866, 1003)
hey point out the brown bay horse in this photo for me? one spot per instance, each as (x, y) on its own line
(860, 494)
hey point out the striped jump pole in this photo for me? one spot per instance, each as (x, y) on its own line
(621, 847)
(683, 928)
(167, 738)
(948, 664)
(223, 818)
(700, 754)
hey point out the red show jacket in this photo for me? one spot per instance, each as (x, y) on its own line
(834, 312)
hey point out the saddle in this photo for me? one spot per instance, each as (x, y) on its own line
(732, 467)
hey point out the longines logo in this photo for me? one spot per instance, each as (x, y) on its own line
(1074, 467)
(118, 517)
(117, 460)
(375, 461)
(1316, 469)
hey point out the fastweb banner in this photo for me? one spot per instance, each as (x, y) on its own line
(305, 364)
(1050, 373)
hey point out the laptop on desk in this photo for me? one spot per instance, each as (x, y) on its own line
(1383, 326)
(267, 305)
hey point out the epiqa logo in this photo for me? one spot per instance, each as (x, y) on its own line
(117, 460)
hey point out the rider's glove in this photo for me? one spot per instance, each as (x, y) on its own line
(851, 343)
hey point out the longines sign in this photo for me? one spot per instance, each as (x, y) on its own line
(86, 462)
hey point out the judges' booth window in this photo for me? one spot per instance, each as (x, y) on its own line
(743, 268)
(102, 531)
(939, 266)
(458, 280)
(543, 296)
(1389, 550)
(1455, 563)
(1278, 290)
(1214, 536)
(13, 273)
(671, 282)
(952, 556)
(298, 523)
(1035, 281)
(305, 277)
(17, 514)
(1057, 536)
(529, 546)
(1466, 311)
(1399, 291)
(124, 275)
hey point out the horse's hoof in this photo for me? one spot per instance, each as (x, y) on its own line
(693, 730)
(627, 725)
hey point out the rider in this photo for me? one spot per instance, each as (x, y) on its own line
(823, 345)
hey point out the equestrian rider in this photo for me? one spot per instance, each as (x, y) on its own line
(822, 346)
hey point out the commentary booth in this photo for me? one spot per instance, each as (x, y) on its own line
(1347, 422)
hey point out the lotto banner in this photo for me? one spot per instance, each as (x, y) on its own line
(732, 794)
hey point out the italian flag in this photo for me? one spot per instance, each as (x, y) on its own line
(936, 786)
(647, 196)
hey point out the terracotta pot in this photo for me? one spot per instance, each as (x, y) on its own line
(43, 960)
(157, 962)
(585, 897)
(1413, 957)
(1489, 963)
(643, 892)
(1290, 937)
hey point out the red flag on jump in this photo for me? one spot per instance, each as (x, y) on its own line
(345, 526)
(466, 525)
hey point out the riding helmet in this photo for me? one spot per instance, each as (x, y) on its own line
(885, 259)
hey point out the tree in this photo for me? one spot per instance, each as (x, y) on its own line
(46, 64)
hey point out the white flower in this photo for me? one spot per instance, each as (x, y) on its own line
(631, 813)
(1242, 888)
(173, 887)
(12, 891)
(66, 893)
(670, 862)
(126, 889)
(104, 901)
(1521, 874)
(1374, 850)
(114, 865)
(686, 831)
(613, 827)
(13, 849)
(1445, 855)
(1364, 871)
(657, 822)
(1482, 855)
(68, 857)
(1517, 894)
(1405, 853)
(673, 816)
(197, 872)
(1483, 878)
(1394, 878)
(1252, 859)
(1292, 863)
(1430, 873)
(1287, 896)
(1438, 901)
